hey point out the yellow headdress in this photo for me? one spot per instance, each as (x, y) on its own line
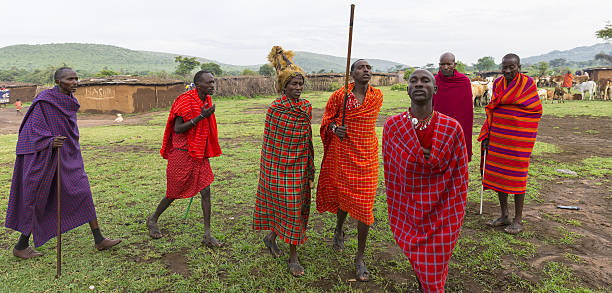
(285, 68)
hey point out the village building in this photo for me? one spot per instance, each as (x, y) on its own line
(127, 94)
(19, 90)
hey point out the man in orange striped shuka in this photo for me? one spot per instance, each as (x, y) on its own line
(508, 136)
(349, 170)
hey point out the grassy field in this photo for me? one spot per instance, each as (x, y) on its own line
(127, 176)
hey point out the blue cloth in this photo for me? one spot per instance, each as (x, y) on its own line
(32, 207)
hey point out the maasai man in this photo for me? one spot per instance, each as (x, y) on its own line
(189, 140)
(454, 97)
(567, 81)
(51, 124)
(508, 136)
(287, 169)
(349, 171)
(426, 176)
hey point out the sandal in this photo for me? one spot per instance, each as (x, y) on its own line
(499, 222)
(296, 269)
(363, 275)
(514, 229)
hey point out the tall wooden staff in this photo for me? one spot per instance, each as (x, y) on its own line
(59, 223)
(348, 64)
(484, 166)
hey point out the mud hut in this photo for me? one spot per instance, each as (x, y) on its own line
(247, 86)
(599, 73)
(127, 94)
(26, 92)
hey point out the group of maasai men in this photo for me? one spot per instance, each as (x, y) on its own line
(426, 151)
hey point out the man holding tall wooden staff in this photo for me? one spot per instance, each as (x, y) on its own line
(49, 124)
(349, 171)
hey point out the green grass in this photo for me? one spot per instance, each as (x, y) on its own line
(127, 176)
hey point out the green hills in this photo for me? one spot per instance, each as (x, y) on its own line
(95, 57)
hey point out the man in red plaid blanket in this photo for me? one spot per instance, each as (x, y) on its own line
(426, 175)
(287, 163)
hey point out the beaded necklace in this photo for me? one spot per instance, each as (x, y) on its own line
(420, 124)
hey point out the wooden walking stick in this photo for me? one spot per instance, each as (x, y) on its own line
(484, 165)
(348, 64)
(59, 223)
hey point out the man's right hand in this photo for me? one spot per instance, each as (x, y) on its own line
(58, 141)
(341, 131)
(207, 112)
(485, 144)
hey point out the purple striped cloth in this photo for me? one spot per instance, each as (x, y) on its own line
(32, 207)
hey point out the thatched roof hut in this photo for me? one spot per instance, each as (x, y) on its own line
(127, 94)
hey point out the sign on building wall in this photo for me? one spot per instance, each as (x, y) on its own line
(4, 95)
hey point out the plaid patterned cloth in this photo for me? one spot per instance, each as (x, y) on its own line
(511, 127)
(349, 170)
(287, 163)
(32, 204)
(186, 176)
(203, 140)
(426, 199)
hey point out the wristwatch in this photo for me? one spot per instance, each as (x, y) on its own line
(333, 128)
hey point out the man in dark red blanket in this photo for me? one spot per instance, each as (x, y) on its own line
(426, 176)
(189, 140)
(51, 123)
(454, 97)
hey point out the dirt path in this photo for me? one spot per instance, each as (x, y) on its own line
(10, 121)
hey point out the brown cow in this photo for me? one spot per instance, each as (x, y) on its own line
(604, 86)
(479, 94)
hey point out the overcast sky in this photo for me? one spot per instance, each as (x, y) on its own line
(242, 32)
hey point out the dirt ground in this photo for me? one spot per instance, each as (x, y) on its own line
(578, 138)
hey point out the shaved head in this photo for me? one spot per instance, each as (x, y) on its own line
(60, 72)
(447, 56)
(427, 72)
(512, 56)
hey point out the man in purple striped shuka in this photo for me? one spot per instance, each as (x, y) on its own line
(49, 124)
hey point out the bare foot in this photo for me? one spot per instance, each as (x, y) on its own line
(296, 269)
(272, 246)
(153, 228)
(338, 241)
(501, 221)
(211, 242)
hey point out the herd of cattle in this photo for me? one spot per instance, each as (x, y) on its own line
(482, 88)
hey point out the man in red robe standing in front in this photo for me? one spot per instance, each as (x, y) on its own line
(454, 97)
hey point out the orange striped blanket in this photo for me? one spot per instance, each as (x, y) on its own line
(511, 127)
(349, 171)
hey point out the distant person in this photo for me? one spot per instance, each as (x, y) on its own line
(286, 173)
(190, 139)
(349, 170)
(18, 106)
(508, 135)
(49, 124)
(426, 177)
(454, 97)
(567, 81)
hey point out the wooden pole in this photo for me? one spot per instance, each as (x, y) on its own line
(348, 63)
(59, 223)
(484, 165)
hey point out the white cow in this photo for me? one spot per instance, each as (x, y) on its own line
(587, 86)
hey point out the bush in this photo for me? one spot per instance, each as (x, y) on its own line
(399, 87)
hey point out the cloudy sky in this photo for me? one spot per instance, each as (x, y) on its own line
(242, 32)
